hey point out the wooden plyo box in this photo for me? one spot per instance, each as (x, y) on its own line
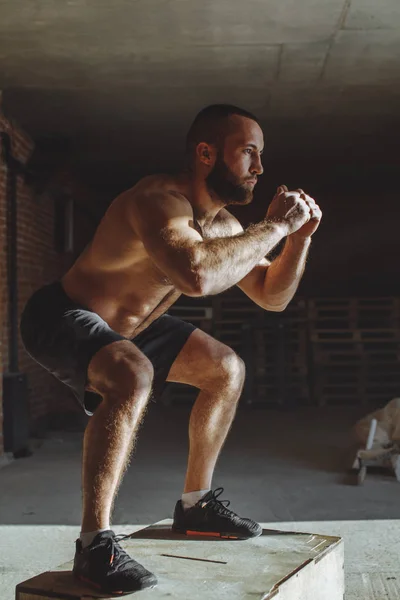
(278, 564)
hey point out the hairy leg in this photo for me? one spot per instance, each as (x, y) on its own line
(219, 374)
(123, 376)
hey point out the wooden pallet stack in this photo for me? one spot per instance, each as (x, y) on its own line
(231, 310)
(321, 351)
(277, 358)
(273, 345)
(355, 349)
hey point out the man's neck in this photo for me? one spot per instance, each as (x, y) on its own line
(205, 205)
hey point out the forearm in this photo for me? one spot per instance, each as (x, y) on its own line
(284, 274)
(221, 263)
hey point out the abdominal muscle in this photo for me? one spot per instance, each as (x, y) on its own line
(126, 310)
(115, 278)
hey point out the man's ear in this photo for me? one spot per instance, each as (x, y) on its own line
(205, 153)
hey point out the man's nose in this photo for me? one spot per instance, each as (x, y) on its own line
(256, 167)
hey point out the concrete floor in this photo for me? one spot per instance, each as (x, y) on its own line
(276, 467)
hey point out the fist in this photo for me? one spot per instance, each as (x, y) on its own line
(296, 211)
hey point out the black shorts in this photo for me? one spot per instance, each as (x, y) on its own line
(63, 337)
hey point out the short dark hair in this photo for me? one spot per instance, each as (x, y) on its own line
(210, 125)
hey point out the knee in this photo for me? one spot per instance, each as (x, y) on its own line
(131, 380)
(231, 368)
(136, 378)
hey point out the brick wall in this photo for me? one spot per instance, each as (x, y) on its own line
(22, 147)
(38, 263)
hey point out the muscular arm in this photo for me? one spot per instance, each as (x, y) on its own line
(284, 275)
(273, 285)
(198, 267)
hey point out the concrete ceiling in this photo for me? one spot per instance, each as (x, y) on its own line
(122, 79)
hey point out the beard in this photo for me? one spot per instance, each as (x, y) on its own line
(222, 182)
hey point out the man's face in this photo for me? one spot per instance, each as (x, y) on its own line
(238, 163)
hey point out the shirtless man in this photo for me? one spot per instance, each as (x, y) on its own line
(103, 330)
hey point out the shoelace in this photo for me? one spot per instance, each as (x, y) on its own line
(220, 506)
(116, 551)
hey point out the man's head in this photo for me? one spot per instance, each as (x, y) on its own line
(226, 142)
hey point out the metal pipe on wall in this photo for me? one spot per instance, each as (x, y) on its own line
(14, 168)
(15, 389)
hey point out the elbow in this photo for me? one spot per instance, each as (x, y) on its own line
(196, 285)
(275, 307)
(277, 302)
(193, 293)
(192, 290)
(278, 308)
(197, 281)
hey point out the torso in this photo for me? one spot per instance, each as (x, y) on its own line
(116, 278)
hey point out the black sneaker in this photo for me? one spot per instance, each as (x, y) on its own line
(106, 566)
(211, 517)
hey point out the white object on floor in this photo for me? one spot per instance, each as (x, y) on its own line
(371, 434)
(388, 425)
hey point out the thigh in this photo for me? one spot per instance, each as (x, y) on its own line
(63, 337)
(202, 359)
(161, 343)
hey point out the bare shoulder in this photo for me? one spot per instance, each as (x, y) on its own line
(155, 202)
(156, 192)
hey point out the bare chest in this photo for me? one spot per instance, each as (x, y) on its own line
(216, 229)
